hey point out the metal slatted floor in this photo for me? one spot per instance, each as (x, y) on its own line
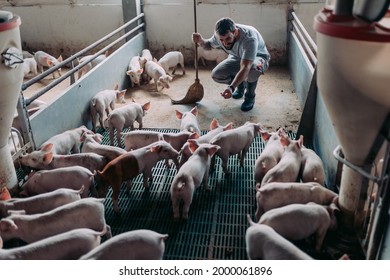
(217, 219)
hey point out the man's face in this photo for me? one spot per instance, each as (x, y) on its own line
(227, 40)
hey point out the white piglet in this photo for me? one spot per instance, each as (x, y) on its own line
(278, 194)
(190, 176)
(271, 154)
(139, 244)
(70, 245)
(300, 221)
(235, 141)
(87, 67)
(72, 177)
(46, 60)
(45, 159)
(312, 168)
(216, 55)
(264, 243)
(91, 144)
(29, 66)
(66, 142)
(287, 169)
(172, 60)
(83, 213)
(103, 101)
(125, 116)
(134, 70)
(158, 74)
(215, 128)
(189, 120)
(42, 202)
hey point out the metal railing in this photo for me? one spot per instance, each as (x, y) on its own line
(309, 46)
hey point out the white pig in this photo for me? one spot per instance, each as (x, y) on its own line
(215, 128)
(278, 194)
(235, 141)
(125, 116)
(271, 154)
(83, 213)
(134, 70)
(141, 244)
(171, 60)
(145, 53)
(140, 138)
(312, 168)
(87, 67)
(264, 243)
(158, 74)
(145, 56)
(46, 60)
(190, 176)
(129, 165)
(216, 55)
(66, 142)
(70, 245)
(300, 221)
(45, 159)
(103, 101)
(29, 66)
(189, 120)
(287, 169)
(91, 144)
(72, 177)
(42, 202)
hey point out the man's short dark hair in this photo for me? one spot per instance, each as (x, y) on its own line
(224, 25)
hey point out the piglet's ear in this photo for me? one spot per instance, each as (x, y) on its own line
(285, 141)
(212, 150)
(155, 148)
(179, 114)
(47, 147)
(146, 106)
(265, 135)
(47, 158)
(194, 111)
(193, 145)
(49, 62)
(214, 124)
(139, 71)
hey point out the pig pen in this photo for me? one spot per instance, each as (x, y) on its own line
(217, 223)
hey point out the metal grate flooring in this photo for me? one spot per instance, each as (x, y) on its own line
(217, 219)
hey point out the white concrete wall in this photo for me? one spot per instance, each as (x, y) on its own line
(67, 26)
(62, 28)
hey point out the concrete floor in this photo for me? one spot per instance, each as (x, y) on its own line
(276, 102)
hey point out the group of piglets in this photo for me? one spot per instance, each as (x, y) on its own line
(292, 202)
(144, 67)
(41, 60)
(59, 225)
(55, 218)
(38, 61)
(289, 178)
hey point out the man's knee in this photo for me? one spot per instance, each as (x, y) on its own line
(218, 78)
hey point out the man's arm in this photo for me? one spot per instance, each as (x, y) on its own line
(198, 39)
(242, 75)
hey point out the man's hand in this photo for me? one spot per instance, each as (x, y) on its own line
(227, 93)
(197, 38)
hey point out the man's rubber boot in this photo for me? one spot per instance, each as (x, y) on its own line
(250, 95)
(239, 92)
